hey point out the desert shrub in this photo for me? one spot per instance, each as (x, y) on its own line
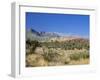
(80, 55)
(85, 54)
(33, 60)
(66, 62)
(52, 56)
(75, 56)
(56, 57)
(68, 45)
(31, 46)
(35, 44)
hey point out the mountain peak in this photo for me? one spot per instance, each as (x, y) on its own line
(33, 31)
(42, 35)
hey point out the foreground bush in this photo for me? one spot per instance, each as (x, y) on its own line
(78, 56)
(33, 60)
(54, 57)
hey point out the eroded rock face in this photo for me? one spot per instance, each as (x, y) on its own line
(33, 60)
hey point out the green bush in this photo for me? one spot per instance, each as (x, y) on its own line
(52, 56)
(75, 56)
(31, 45)
(85, 55)
(78, 56)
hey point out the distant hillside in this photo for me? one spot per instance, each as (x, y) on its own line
(40, 36)
(43, 36)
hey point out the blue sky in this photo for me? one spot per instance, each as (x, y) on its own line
(62, 23)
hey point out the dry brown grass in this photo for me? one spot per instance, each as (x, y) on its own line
(56, 57)
(33, 60)
(81, 61)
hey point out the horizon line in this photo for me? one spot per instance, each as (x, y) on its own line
(67, 34)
